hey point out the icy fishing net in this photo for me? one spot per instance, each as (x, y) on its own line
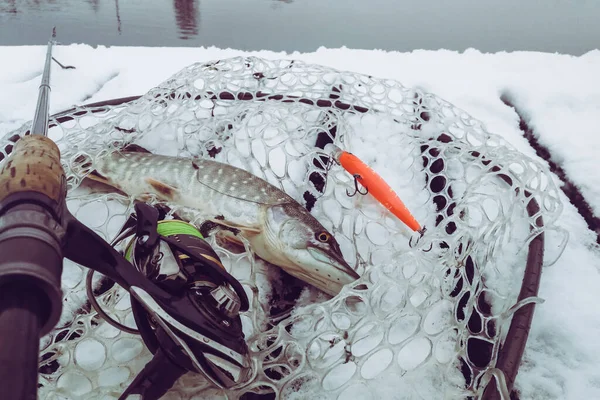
(430, 315)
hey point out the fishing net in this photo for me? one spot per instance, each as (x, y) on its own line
(430, 315)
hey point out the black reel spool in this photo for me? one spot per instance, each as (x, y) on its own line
(173, 255)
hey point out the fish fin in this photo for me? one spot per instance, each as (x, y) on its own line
(100, 183)
(230, 241)
(230, 237)
(231, 225)
(163, 189)
(135, 148)
(95, 176)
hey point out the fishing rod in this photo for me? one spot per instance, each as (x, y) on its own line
(32, 198)
(185, 304)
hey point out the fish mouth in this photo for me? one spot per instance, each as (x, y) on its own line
(333, 260)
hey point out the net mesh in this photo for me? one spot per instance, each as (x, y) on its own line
(429, 313)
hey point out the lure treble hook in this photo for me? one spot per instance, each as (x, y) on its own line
(357, 188)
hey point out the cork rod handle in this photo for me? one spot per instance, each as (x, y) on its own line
(34, 165)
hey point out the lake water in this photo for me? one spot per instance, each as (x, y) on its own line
(571, 27)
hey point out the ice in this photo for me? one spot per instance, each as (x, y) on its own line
(366, 340)
(90, 354)
(113, 376)
(438, 318)
(562, 353)
(403, 328)
(77, 384)
(444, 348)
(376, 363)
(277, 161)
(126, 349)
(414, 353)
(339, 375)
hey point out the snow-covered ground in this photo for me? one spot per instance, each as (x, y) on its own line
(559, 97)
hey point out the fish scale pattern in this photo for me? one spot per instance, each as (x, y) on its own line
(431, 309)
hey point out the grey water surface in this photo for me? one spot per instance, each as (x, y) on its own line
(571, 27)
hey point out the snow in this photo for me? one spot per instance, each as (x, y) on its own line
(558, 95)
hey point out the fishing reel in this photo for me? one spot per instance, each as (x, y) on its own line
(194, 324)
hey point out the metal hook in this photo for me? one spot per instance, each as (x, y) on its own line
(357, 188)
(330, 163)
(416, 237)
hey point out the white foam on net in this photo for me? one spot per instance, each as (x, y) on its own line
(402, 329)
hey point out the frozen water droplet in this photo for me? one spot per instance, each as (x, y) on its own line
(419, 295)
(366, 341)
(326, 350)
(295, 148)
(445, 347)
(90, 354)
(356, 391)
(377, 233)
(381, 256)
(72, 274)
(115, 223)
(364, 248)
(342, 197)
(124, 302)
(105, 330)
(333, 211)
(272, 179)
(313, 351)
(56, 133)
(438, 317)
(297, 171)
(376, 363)
(259, 152)
(341, 320)
(403, 328)
(277, 161)
(199, 83)
(88, 121)
(454, 169)
(303, 325)
(378, 89)
(395, 95)
(144, 122)
(492, 208)
(247, 326)
(294, 355)
(126, 349)
(391, 300)
(113, 376)
(474, 217)
(338, 376)
(414, 353)
(347, 248)
(74, 383)
(93, 214)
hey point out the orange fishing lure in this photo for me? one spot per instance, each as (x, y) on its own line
(375, 185)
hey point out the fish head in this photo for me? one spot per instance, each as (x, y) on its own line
(311, 252)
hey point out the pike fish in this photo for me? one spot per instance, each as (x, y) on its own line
(279, 229)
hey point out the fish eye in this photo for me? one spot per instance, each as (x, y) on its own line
(323, 237)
